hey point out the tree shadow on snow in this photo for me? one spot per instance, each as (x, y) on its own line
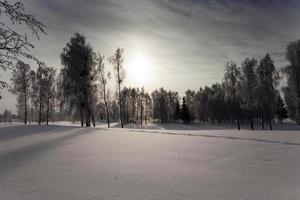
(11, 132)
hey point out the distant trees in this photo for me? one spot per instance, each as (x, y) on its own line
(191, 103)
(164, 105)
(267, 78)
(231, 84)
(21, 85)
(136, 104)
(6, 116)
(177, 114)
(35, 91)
(45, 79)
(248, 93)
(185, 112)
(292, 72)
(117, 62)
(248, 86)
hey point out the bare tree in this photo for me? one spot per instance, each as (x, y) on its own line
(267, 78)
(103, 77)
(248, 86)
(117, 61)
(21, 84)
(12, 43)
(231, 75)
(45, 78)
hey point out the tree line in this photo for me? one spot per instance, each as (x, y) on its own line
(248, 93)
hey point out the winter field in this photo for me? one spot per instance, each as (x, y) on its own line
(152, 162)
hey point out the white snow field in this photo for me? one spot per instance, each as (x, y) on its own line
(70, 163)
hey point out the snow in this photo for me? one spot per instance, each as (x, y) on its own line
(153, 162)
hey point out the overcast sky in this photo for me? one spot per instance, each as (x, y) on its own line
(184, 43)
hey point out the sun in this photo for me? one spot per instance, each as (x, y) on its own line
(139, 69)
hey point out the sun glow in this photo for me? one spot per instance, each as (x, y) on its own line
(139, 69)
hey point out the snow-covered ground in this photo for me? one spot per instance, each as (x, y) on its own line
(157, 162)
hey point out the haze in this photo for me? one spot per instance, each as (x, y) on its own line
(175, 44)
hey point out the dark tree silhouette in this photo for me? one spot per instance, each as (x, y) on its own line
(185, 113)
(248, 87)
(177, 114)
(231, 83)
(267, 79)
(78, 77)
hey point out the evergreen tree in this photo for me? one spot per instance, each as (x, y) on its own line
(185, 113)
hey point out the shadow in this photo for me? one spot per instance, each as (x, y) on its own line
(252, 139)
(221, 137)
(210, 126)
(14, 158)
(11, 132)
(196, 126)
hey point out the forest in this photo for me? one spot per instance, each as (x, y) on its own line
(249, 93)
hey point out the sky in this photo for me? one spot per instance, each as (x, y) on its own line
(175, 44)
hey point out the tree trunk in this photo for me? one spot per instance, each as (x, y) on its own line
(40, 109)
(48, 110)
(262, 119)
(251, 120)
(270, 124)
(25, 107)
(81, 114)
(238, 121)
(251, 124)
(127, 112)
(93, 119)
(141, 112)
(87, 109)
(146, 117)
(107, 114)
(106, 105)
(236, 113)
(120, 105)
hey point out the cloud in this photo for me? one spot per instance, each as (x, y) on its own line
(192, 39)
(181, 30)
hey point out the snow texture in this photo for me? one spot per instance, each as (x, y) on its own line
(158, 162)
